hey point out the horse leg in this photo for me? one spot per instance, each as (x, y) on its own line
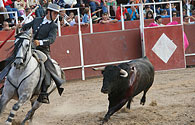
(3, 102)
(6, 96)
(29, 116)
(22, 99)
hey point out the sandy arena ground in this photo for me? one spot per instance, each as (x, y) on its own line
(170, 101)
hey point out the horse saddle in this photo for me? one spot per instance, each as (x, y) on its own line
(40, 56)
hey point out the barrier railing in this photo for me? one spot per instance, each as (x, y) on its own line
(16, 15)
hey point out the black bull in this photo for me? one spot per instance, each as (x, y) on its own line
(125, 81)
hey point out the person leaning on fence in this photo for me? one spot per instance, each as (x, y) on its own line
(44, 34)
(106, 19)
(158, 20)
(6, 26)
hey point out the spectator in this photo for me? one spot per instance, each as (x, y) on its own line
(75, 22)
(149, 15)
(187, 20)
(193, 11)
(158, 21)
(187, 6)
(118, 12)
(3, 9)
(61, 3)
(94, 4)
(20, 5)
(65, 18)
(7, 4)
(133, 11)
(112, 3)
(30, 18)
(71, 3)
(6, 26)
(164, 14)
(147, 8)
(95, 19)
(86, 15)
(106, 19)
(174, 13)
(71, 16)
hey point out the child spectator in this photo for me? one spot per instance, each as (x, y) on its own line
(86, 15)
(20, 5)
(106, 19)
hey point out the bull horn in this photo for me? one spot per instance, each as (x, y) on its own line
(125, 74)
(99, 69)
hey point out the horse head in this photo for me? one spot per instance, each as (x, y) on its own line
(22, 50)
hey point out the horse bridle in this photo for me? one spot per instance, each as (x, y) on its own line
(26, 51)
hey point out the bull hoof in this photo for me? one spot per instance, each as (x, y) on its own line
(142, 102)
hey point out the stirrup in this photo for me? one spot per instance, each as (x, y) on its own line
(43, 98)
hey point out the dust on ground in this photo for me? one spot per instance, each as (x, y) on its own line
(170, 101)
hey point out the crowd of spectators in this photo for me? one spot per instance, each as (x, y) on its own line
(102, 11)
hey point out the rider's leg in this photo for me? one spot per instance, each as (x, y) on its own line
(43, 97)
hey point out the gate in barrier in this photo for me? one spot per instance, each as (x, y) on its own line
(164, 45)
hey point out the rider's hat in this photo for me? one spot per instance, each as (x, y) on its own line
(53, 7)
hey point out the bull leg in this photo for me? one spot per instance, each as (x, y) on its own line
(129, 103)
(22, 99)
(114, 109)
(29, 116)
(143, 99)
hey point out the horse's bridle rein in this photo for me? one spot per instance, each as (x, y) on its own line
(26, 51)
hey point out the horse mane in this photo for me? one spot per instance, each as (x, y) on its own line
(18, 44)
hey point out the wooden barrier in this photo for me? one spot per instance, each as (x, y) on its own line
(189, 29)
(101, 47)
(164, 47)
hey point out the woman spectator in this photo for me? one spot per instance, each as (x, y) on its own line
(149, 15)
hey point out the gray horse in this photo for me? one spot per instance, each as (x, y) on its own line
(24, 79)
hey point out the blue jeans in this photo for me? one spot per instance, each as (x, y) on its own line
(94, 6)
(12, 9)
